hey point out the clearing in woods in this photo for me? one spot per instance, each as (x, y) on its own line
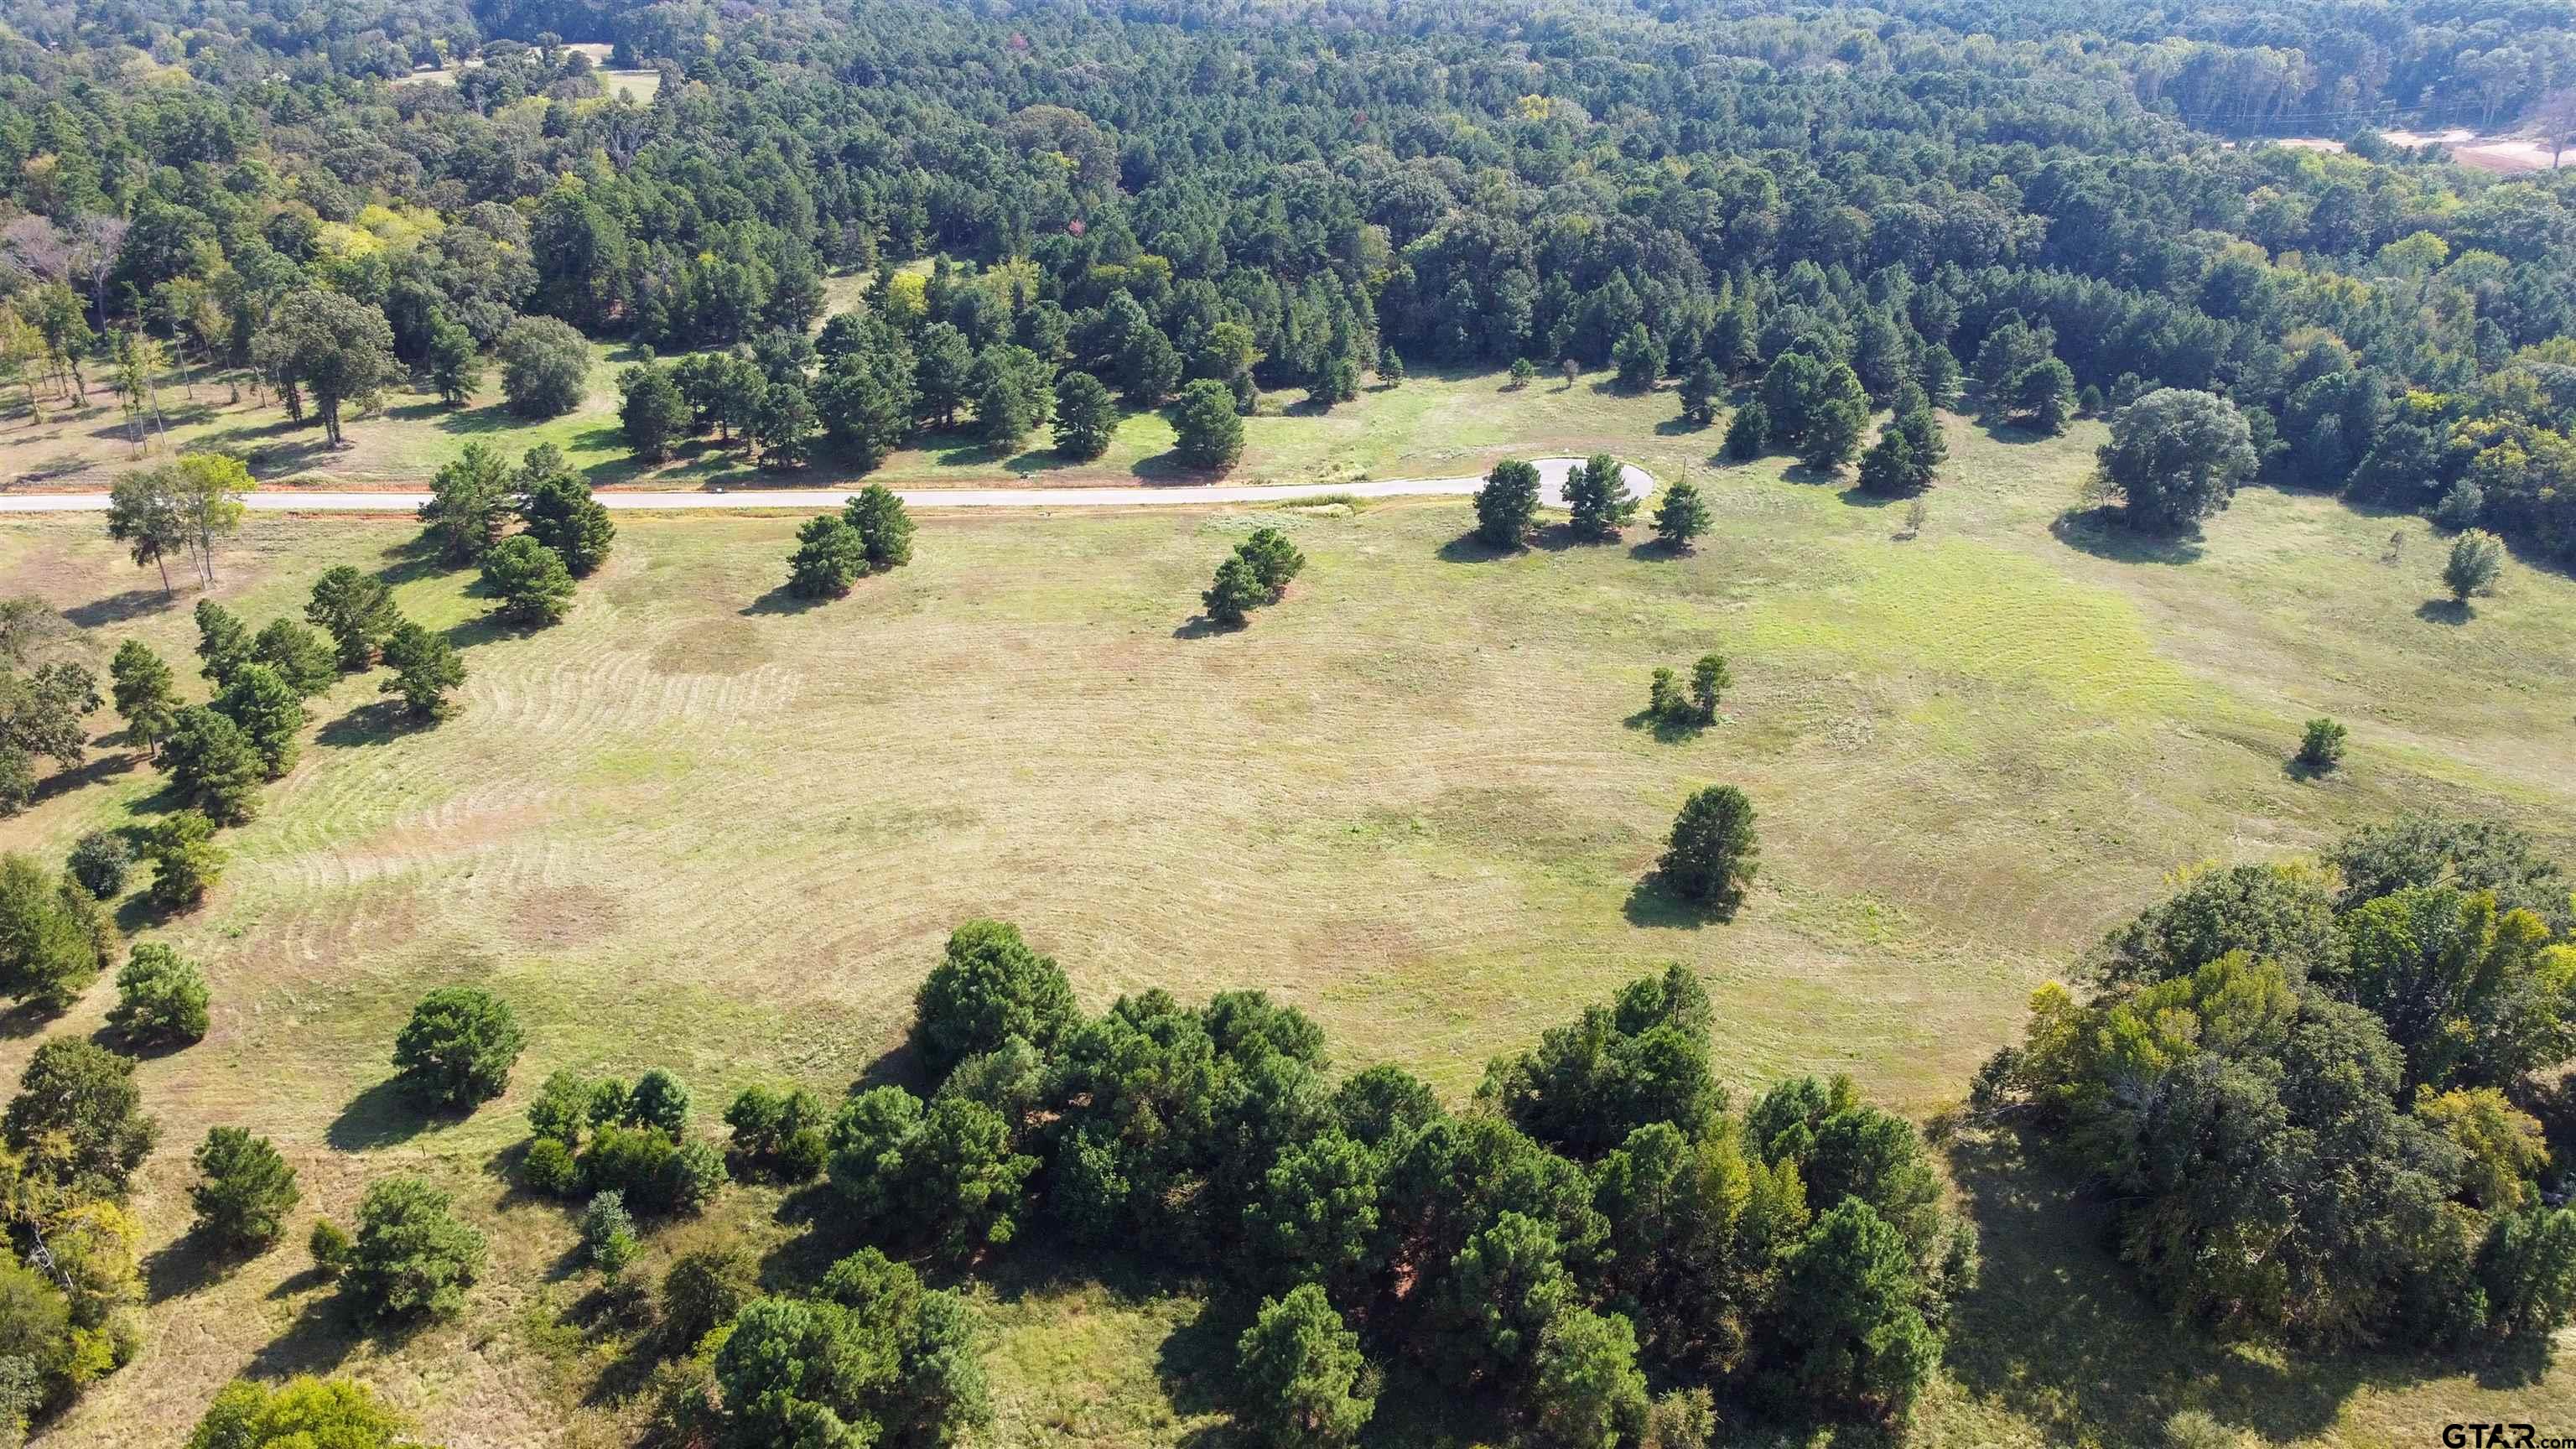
(702, 826)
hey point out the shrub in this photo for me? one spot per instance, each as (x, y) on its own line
(1275, 561)
(1664, 697)
(608, 1233)
(302, 1413)
(53, 934)
(161, 998)
(1747, 433)
(458, 1047)
(1709, 681)
(660, 1101)
(830, 556)
(1712, 854)
(186, 862)
(330, 1246)
(1523, 372)
(2477, 557)
(705, 1289)
(2321, 748)
(244, 1190)
(411, 1257)
(99, 861)
(779, 1133)
(548, 1167)
(529, 580)
(2461, 507)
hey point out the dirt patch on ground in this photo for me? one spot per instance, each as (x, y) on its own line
(553, 917)
(718, 646)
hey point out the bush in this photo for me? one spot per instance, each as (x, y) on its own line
(608, 1233)
(2321, 749)
(1664, 697)
(660, 1101)
(779, 1134)
(705, 1289)
(411, 1257)
(830, 556)
(1523, 372)
(530, 581)
(549, 1168)
(244, 1190)
(99, 861)
(1681, 516)
(458, 1048)
(545, 367)
(2477, 557)
(1713, 852)
(186, 862)
(2461, 508)
(330, 1246)
(161, 998)
(1275, 561)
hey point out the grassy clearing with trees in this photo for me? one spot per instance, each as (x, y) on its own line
(1970, 752)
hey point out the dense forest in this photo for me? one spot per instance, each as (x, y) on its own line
(1283, 203)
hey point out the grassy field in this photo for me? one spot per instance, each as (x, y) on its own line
(698, 825)
(1433, 425)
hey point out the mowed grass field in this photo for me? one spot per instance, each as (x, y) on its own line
(700, 826)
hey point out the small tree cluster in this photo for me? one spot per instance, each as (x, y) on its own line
(631, 1139)
(1670, 702)
(1257, 572)
(871, 534)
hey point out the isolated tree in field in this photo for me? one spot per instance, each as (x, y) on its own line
(1709, 681)
(2321, 747)
(1390, 368)
(562, 513)
(356, 610)
(545, 367)
(425, 668)
(2477, 558)
(1275, 561)
(1231, 597)
(206, 491)
(1747, 433)
(1085, 417)
(143, 514)
(454, 363)
(884, 527)
(336, 349)
(458, 1047)
(270, 713)
(469, 502)
(988, 988)
(1664, 697)
(1713, 852)
(1300, 1373)
(1210, 435)
(145, 694)
(298, 655)
(78, 1119)
(244, 1190)
(186, 862)
(530, 581)
(99, 861)
(1508, 504)
(652, 411)
(1681, 516)
(2175, 457)
(830, 556)
(1701, 388)
(213, 764)
(51, 935)
(161, 998)
(411, 1257)
(223, 642)
(1523, 373)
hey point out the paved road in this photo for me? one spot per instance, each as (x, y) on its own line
(1552, 473)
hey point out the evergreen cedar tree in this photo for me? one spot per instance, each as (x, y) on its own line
(1713, 852)
(1257, 572)
(1681, 516)
(458, 1047)
(1508, 504)
(872, 533)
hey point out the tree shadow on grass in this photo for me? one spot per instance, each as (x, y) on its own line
(1653, 904)
(490, 418)
(1675, 427)
(1196, 1362)
(23, 1020)
(188, 1264)
(1667, 730)
(121, 608)
(2454, 612)
(783, 600)
(1856, 496)
(1468, 548)
(378, 723)
(1200, 626)
(318, 1341)
(2057, 1331)
(383, 1115)
(417, 557)
(2104, 533)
